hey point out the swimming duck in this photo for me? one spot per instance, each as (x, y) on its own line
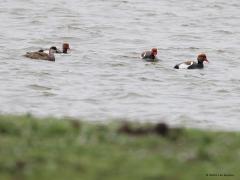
(65, 48)
(150, 55)
(42, 55)
(191, 64)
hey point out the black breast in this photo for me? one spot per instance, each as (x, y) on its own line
(196, 66)
(148, 55)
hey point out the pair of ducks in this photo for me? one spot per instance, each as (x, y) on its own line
(152, 56)
(48, 54)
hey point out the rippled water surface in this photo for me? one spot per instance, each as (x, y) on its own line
(103, 77)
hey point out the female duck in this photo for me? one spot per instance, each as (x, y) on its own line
(42, 55)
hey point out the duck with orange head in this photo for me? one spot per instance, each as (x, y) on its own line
(150, 56)
(192, 64)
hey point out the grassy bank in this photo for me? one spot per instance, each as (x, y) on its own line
(37, 149)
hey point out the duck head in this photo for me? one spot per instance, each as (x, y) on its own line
(202, 57)
(154, 52)
(65, 47)
(53, 49)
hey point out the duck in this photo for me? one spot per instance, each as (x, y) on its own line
(150, 56)
(42, 55)
(65, 48)
(192, 64)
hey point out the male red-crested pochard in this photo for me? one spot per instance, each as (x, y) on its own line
(65, 48)
(193, 65)
(42, 55)
(150, 55)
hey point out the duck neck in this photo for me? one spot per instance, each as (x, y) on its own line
(65, 51)
(153, 56)
(51, 55)
(200, 62)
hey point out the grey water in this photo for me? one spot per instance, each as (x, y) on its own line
(103, 77)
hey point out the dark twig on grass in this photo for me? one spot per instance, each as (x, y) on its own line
(159, 129)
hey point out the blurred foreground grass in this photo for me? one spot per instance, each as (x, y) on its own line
(37, 149)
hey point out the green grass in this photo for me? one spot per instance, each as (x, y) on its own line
(37, 149)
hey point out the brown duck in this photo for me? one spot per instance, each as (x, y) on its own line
(42, 55)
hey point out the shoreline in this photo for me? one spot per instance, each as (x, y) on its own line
(46, 148)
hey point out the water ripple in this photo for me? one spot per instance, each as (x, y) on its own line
(104, 77)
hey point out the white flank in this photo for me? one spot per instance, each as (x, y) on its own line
(143, 56)
(184, 66)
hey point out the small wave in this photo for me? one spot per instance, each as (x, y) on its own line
(134, 95)
(118, 65)
(171, 14)
(222, 91)
(39, 87)
(149, 79)
(223, 32)
(48, 94)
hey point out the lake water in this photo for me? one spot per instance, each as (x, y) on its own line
(104, 78)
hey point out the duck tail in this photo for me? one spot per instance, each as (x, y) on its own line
(176, 66)
(27, 54)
